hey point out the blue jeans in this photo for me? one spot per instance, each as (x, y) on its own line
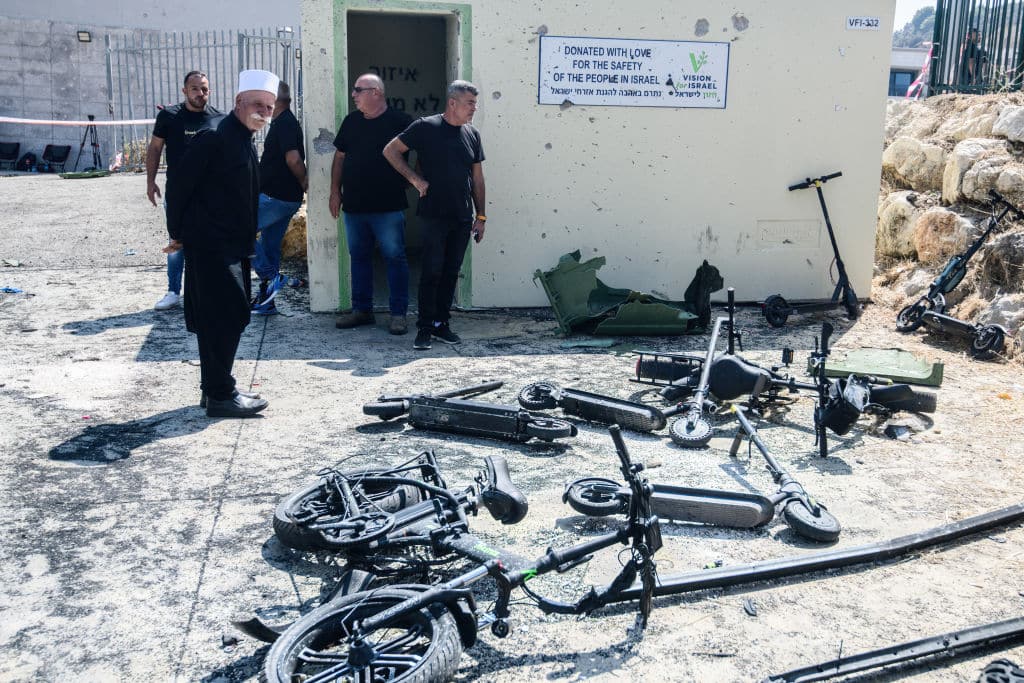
(274, 217)
(388, 230)
(175, 266)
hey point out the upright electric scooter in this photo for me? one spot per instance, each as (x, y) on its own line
(776, 309)
(986, 340)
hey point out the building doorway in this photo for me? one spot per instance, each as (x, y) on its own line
(416, 54)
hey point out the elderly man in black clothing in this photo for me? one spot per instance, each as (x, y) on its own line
(451, 203)
(212, 214)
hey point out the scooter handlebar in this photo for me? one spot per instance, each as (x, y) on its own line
(810, 182)
(999, 199)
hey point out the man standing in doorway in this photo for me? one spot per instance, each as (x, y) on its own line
(175, 128)
(451, 203)
(373, 196)
(212, 214)
(282, 183)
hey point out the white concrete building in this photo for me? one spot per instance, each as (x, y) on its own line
(798, 92)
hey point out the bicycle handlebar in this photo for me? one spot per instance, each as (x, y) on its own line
(811, 182)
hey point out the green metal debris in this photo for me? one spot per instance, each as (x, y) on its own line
(895, 364)
(582, 303)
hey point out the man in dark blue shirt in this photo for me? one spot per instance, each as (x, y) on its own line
(174, 129)
(451, 203)
(282, 183)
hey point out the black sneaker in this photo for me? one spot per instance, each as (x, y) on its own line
(445, 334)
(422, 341)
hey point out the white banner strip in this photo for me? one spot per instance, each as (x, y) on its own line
(40, 122)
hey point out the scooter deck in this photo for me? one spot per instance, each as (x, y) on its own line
(711, 506)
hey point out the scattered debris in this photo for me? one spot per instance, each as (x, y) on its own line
(749, 607)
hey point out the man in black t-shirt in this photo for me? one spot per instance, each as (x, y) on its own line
(282, 183)
(175, 127)
(451, 203)
(372, 195)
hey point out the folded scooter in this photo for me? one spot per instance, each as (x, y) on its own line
(986, 340)
(446, 413)
(638, 417)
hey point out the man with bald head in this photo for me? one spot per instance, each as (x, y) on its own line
(372, 196)
(212, 215)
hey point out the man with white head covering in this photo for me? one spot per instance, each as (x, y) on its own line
(213, 217)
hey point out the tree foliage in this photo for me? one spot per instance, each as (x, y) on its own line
(918, 30)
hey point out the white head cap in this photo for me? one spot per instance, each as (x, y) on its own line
(257, 79)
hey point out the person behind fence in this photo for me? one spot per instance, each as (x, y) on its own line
(175, 127)
(972, 56)
(451, 204)
(283, 181)
(212, 214)
(373, 196)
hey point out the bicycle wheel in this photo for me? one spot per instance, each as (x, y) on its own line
(688, 435)
(909, 318)
(987, 342)
(776, 310)
(385, 410)
(895, 398)
(596, 497)
(537, 396)
(547, 429)
(315, 502)
(821, 527)
(1001, 671)
(421, 647)
(359, 530)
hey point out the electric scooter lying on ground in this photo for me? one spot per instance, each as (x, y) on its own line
(417, 632)
(777, 310)
(638, 417)
(986, 340)
(445, 413)
(805, 516)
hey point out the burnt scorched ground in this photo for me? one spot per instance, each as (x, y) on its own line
(136, 529)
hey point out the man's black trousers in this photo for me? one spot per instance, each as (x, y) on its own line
(444, 247)
(217, 291)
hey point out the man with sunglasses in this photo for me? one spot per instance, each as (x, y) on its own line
(451, 204)
(372, 196)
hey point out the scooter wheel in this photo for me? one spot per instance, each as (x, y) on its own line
(688, 435)
(549, 430)
(776, 310)
(821, 527)
(909, 318)
(987, 342)
(596, 497)
(537, 396)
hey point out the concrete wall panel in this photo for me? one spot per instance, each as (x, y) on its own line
(657, 190)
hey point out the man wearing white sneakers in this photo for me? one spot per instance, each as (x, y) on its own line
(175, 128)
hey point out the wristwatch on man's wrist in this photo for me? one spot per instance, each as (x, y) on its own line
(481, 217)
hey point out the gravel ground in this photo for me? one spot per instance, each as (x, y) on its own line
(137, 529)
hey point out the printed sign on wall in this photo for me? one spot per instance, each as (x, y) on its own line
(633, 73)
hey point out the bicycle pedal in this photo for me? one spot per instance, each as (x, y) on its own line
(562, 568)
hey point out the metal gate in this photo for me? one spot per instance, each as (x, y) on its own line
(978, 46)
(146, 69)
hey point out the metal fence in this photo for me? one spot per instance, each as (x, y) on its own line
(145, 72)
(979, 46)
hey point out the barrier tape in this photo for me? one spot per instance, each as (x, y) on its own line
(40, 122)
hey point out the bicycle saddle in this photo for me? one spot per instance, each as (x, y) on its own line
(732, 377)
(500, 496)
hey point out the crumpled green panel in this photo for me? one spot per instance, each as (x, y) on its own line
(581, 300)
(895, 364)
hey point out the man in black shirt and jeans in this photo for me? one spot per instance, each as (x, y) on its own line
(373, 195)
(451, 202)
(174, 129)
(282, 184)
